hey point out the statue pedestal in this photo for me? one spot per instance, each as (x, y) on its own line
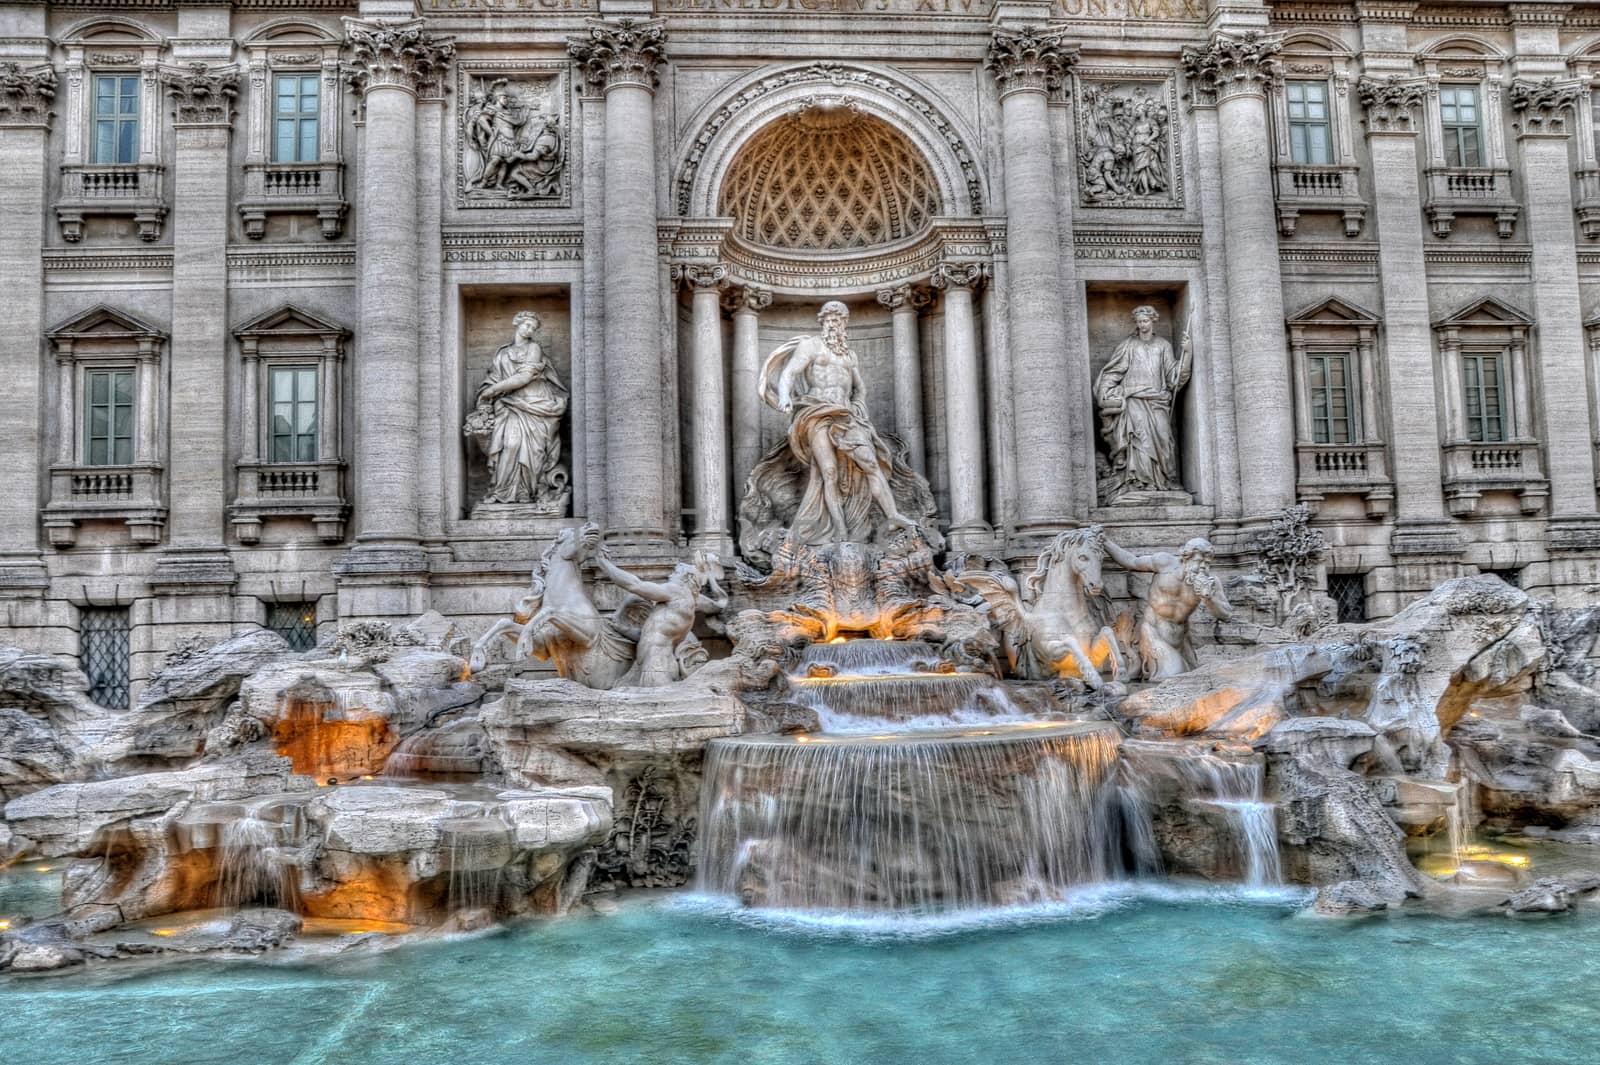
(1175, 498)
(556, 508)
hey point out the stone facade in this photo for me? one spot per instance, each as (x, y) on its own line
(259, 260)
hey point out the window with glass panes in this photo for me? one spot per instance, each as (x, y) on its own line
(1328, 378)
(295, 622)
(1349, 594)
(1310, 134)
(108, 423)
(1483, 381)
(293, 392)
(294, 118)
(103, 654)
(116, 118)
(1463, 136)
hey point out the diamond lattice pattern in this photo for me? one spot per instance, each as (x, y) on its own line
(825, 181)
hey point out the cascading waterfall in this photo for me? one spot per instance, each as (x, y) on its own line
(923, 821)
(1235, 788)
(255, 868)
(478, 847)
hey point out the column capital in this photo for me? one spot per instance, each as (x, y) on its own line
(896, 297)
(1542, 105)
(202, 95)
(25, 95)
(1391, 103)
(397, 55)
(625, 52)
(949, 276)
(1029, 60)
(700, 276)
(1229, 65)
(750, 299)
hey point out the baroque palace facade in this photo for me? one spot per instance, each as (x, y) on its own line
(266, 266)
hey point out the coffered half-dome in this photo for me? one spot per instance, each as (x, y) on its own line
(829, 178)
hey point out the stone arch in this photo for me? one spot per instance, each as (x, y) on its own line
(83, 32)
(1316, 41)
(289, 31)
(729, 121)
(1460, 42)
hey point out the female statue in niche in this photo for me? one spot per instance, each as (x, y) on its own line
(518, 420)
(1136, 392)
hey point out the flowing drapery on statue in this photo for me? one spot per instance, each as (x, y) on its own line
(518, 418)
(834, 478)
(1135, 393)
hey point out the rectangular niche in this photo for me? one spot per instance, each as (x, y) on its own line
(488, 314)
(1109, 307)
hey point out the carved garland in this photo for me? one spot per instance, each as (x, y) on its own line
(1229, 65)
(1391, 103)
(25, 95)
(835, 74)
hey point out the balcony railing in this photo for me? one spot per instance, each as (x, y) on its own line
(103, 191)
(1304, 189)
(307, 490)
(293, 188)
(129, 494)
(1359, 469)
(1515, 467)
(1456, 191)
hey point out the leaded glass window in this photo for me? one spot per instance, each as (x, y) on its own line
(1349, 594)
(292, 392)
(103, 654)
(295, 622)
(116, 118)
(296, 112)
(109, 417)
(1310, 131)
(1463, 133)
(1483, 382)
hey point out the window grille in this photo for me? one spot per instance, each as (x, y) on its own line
(1310, 134)
(103, 653)
(1512, 577)
(1349, 594)
(295, 622)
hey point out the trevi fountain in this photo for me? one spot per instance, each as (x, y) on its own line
(892, 752)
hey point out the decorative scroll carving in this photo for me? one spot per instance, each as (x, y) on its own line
(203, 95)
(398, 54)
(625, 52)
(1029, 60)
(836, 75)
(513, 141)
(902, 295)
(1125, 145)
(829, 178)
(957, 275)
(1542, 105)
(699, 276)
(25, 95)
(1230, 65)
(1391, 103)
(747, 298)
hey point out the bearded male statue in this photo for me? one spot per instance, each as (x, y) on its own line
(834, 479)
(1178, 586)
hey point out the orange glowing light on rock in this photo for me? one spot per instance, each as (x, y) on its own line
(837, 639)
(45, 869)
(466, 671)
(164, 932)
(323, 740)
(4, 924)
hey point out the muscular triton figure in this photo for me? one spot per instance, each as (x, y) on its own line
(818, 385)
(1178, 585)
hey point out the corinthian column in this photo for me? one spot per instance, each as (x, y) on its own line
(746, 303)
(25, 97)
(1028, 64)
(197, 405)
(903, 302)
(963, 408)
(1545, 110)
(708, 409)
(1233, 72)
(620, 59)
(391, 63)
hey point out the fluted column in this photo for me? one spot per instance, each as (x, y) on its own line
(621, 59)
(1234, 72)
(904, 303)
(1545, 112)
(1393, 119)
(1028, 64)
(391, 63)
(708, 405)
(25, 98)
(746, 303)
(197, 404)
(963, 404)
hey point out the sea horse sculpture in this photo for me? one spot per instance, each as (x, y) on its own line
(1055, 625)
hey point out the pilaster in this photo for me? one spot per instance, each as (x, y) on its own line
(708, 409)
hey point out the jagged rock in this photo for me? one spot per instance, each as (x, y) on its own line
(1179, 784)
(72, 818)
(1529, 769)
(1551, 894)
(436, 632)
(44, 687)
(34, 755)
(44, 957)
(1350, 898)
(558, 732)
(259, 930)
(47, 722)
(1330, 740)
(187, 698)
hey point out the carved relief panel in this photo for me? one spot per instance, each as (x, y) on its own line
(514, 135)
(1127, 146)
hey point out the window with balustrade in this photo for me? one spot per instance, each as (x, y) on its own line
(1338, 450)
(293, 172)
(296, 118)
(1332, 418)
(116, 119)
(1483, 386)
(108, 416)
(1314, 162)
(1461, 120)
(290, 362)
(1310, 125)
